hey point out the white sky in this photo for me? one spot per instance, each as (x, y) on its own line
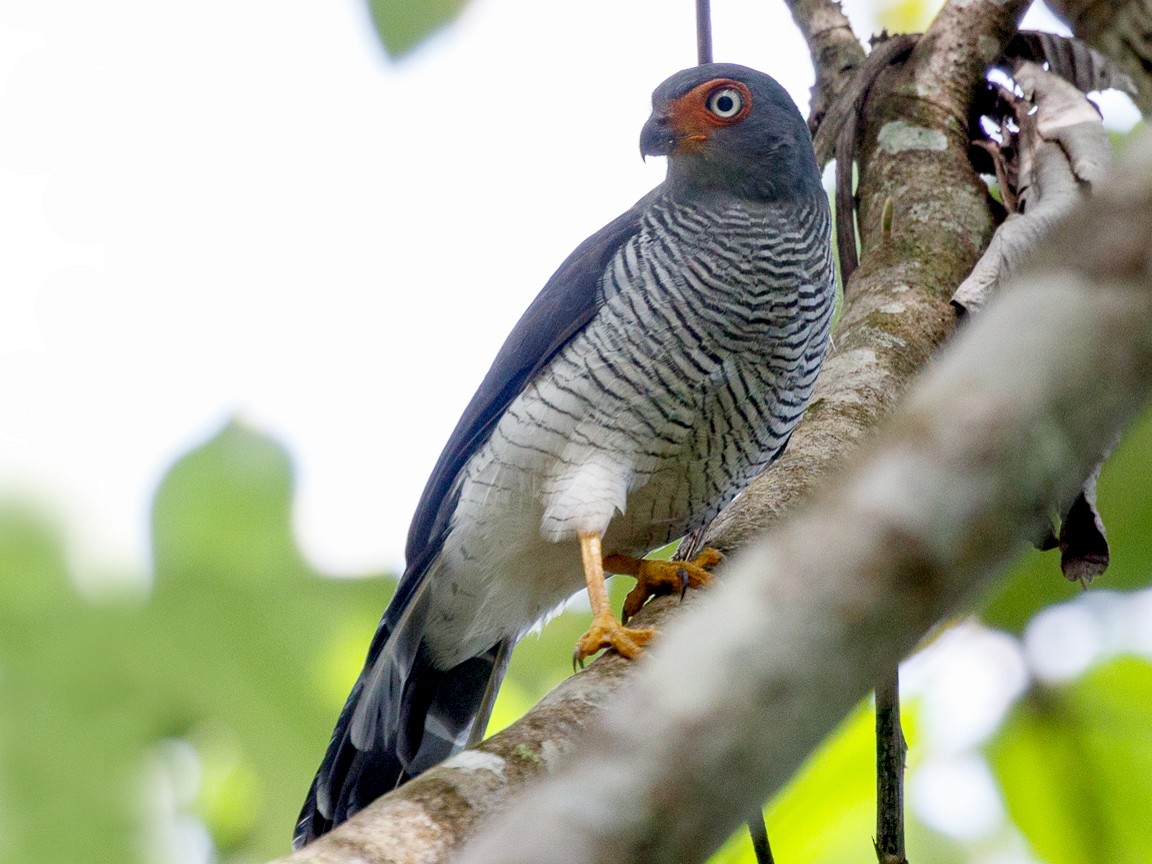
(244, 209)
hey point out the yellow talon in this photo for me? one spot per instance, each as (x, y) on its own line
(654, 578)
(607, 632)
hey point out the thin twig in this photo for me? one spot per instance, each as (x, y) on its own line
(704, 31)
(758, 831)
(849, 103)
(841, 124)
(890, 750)
(846, 197)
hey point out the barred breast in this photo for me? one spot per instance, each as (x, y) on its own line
(684, 387)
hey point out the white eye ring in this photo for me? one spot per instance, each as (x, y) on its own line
(725, 103)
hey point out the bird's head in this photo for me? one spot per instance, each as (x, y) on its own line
(728, 128)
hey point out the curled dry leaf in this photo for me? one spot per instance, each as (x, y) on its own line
(1058, 152)
(1083, 542)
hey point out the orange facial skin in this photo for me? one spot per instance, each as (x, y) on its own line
(692, 122)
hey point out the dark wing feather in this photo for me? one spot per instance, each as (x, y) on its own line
(380, 738)
(560, 311)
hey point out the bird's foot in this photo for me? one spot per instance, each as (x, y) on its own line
(607, 632)
(654, 578)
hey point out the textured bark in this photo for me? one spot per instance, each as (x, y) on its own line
(1120, 29)
(760, 670)
(836, 52)
(426, 818)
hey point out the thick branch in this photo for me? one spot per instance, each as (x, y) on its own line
(836, 52)
(756, 674)
(952, 55)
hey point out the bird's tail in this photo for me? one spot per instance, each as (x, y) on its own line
(403, 716)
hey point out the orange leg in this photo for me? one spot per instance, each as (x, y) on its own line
(661, 577)
(606, 631)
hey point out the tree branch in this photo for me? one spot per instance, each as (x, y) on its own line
(836, 52)
(891, 749)
(721, 715)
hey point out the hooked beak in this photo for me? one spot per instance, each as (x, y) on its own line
(671, 131)
(657, 138)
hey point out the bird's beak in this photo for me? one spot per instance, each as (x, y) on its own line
(672, 129)
(657, 138)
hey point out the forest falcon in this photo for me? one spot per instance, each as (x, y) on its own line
(663, 367)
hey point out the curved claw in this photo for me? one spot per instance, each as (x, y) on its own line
(654, 578)
(607, 632)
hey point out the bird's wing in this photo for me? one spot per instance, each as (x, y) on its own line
(399, 686)
(561, 310)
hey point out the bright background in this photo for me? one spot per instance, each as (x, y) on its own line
(233, 224)
(245, 210)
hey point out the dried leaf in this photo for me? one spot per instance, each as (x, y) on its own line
(1072, 59)
(1050, 147)
(1083, 543)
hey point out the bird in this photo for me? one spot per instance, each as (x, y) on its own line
(662, 367)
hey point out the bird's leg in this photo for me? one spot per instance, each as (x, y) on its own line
(606, 631)
(654, 578)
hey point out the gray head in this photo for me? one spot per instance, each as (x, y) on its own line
(728, 128)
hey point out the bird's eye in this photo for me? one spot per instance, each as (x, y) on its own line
(725, 103)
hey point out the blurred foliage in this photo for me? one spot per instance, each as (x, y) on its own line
(403, 25)
(132, 725)
(1075, 766)
(240, 650)
(906, 16)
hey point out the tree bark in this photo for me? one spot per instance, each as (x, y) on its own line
(836, 52)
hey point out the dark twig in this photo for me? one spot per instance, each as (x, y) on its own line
(890, 750)
(846, 197)
(851, 100)
(758, 831)
(704, 31)
(840, 125)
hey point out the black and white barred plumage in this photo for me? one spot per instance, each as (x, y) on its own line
(662, 368)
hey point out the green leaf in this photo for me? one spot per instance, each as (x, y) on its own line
(826, 814)
(402, 25)
(1075, 766)
(66, 744)
(235, 667)
(906, 16)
